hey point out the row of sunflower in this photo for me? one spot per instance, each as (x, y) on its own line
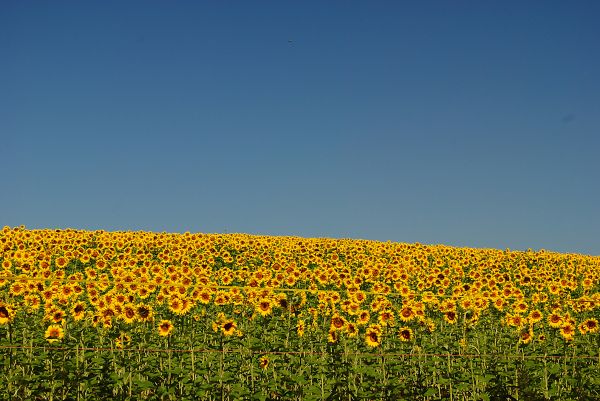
(276, 299)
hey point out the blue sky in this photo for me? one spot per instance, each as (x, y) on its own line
(460, 123)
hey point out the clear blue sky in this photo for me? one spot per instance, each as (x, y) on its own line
(466, 123)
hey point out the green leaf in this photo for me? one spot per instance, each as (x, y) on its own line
(431, 391)
(143, 384)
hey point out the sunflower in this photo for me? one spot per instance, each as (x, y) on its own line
(386, 318)
(66, 291)
(447, 305)
(228, 327)
(204, 296)
(359, 297)
(263, 362)
(6, 313)
(54, 333)
(32, 302)
(107, 312)
(56, 315)
(120, 299)
(128, 313)
(144, 313)
(466, 303)
(186, 305)
(405, 334)
(526, 336)
(78, 311)
(351, 330)
(337, 322)
(122, 340)
(143, 292)
(591, 325)
(265, 307)
(16, 289)
(363, 317)
(175, 305)
(165, 328)
(567, 331)
(332, 336)
(555, 320)
(521, 307)
(373, 336)
(61, 262)
(554, 289)
(450, 317)
(535, 316)
(300, 328)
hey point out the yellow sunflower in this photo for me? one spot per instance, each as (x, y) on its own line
(373, 335)
(54, 333)
(263, 362)
(78, 311)
(128, 313)
(165, 328)
(144, 313)
(450, 317)
(332, 336)
(300, 328)
(337, 322)
(567, 331)
(351, 330)
(6, 313)
(264, 307)
(526, 336)
(591, 325)
(535, 316)
(555, 320)
(228, 327)
(363, 317)
(405, 334)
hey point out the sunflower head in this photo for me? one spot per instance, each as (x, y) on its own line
(450, 317)
(263, 362)
(405, 334)
(54, 333)
(300, 328)
(128, 313)
(555, 320)
(591, 325)
(228, 327)
(332, 336)
(535, 316)
(78, 311)
(6, 314)
(265, 307)
(337, 322)
(525, 336)
(165, 328)
(144, 313)
(373, 336)
(567, 331)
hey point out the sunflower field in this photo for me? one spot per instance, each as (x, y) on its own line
(96, 315)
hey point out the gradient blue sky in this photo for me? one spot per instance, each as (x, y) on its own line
(466, 123)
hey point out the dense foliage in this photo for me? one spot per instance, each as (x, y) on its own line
(92, 315)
